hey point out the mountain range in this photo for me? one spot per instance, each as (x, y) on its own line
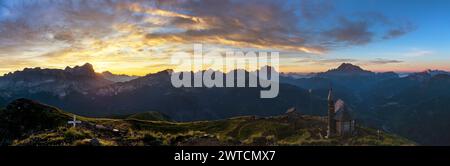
(415, 106)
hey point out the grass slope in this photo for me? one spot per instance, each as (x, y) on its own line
(247, 130)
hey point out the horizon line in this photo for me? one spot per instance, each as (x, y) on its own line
(248, 70)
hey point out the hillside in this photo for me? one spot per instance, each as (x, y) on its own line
(47, 127)
(150, 116)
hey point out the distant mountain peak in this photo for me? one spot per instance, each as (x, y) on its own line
(350, 70)
(85, 66)
(160, 73)
(435, 72)
(427, 74)
(88, 66)
(107, 73)
(347, 69)
(86, 69)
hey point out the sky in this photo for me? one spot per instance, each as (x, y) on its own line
(138, 37)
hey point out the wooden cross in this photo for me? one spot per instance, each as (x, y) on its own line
(74, 121)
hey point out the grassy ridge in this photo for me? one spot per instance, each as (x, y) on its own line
(53, 130)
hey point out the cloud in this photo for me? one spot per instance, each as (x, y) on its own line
(256, 24)
(338, 60)
(362, 28)
(399, 31)
(418, 53)
(109, 31)
(259, 24)
(325, 61)
(270, 25)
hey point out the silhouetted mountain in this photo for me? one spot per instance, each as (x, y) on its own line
(354, 77)
(436, 72)
(155, 92)
(350, 82)
(117, 77)
(161, 78)
(57, 82)
(87, 70)
(346, 69)
(22, 117)
(416, 102)
(346, 76)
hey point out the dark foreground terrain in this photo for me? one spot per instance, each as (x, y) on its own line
(29, 123)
